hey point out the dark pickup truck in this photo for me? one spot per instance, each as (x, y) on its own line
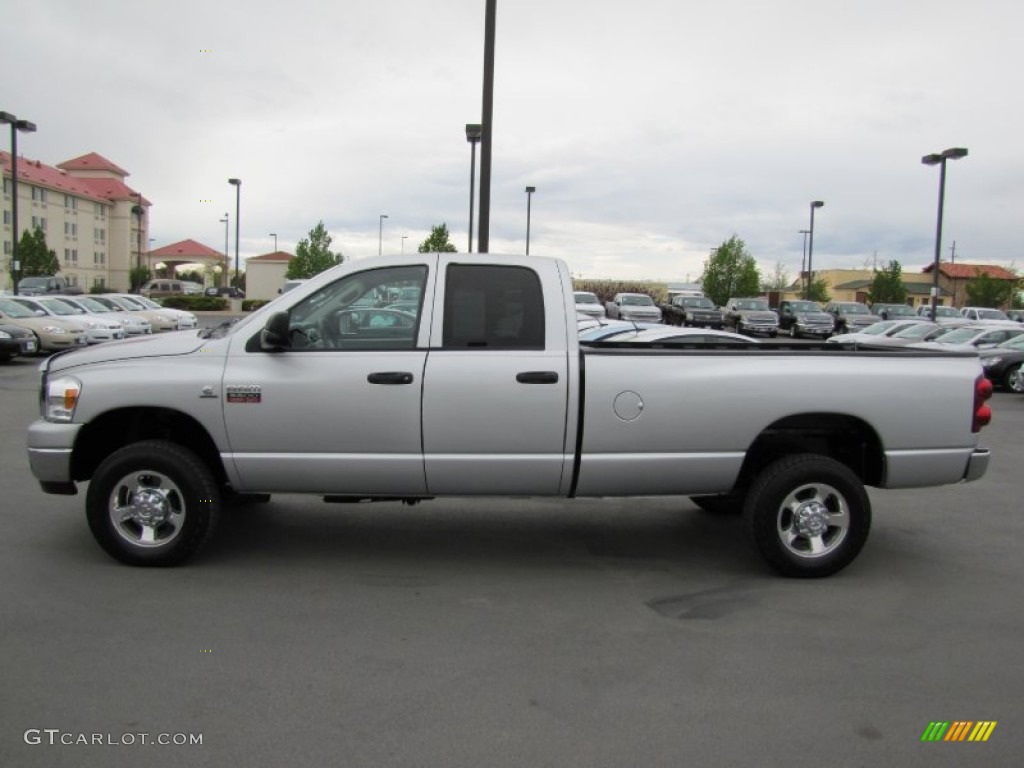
(39, 286)
(697, 311)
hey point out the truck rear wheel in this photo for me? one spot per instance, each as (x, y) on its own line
(807, 515)
(152, 503)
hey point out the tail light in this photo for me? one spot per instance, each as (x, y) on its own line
(982, 411)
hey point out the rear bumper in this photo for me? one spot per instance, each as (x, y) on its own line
(977, 465)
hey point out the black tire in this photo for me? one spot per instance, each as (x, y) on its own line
(772, 334)
(739, 328)
(1013, 379)
(720, 504)
(834, 512)
(793, 332)
(152, 503)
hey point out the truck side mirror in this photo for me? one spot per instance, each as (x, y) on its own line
(274, 335)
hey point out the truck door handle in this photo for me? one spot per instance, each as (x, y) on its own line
(537, 377)
(390, 377)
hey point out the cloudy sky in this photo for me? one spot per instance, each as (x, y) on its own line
(653, 130)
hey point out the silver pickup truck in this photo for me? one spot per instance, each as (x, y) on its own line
(480, 388)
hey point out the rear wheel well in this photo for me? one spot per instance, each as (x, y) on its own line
(846, 439)
(115, 429)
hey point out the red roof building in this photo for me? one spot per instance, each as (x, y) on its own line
(97, 225)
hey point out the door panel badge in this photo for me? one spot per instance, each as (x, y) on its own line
(244, 393)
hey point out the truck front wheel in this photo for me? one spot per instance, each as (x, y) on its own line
(152, 503)
(807, 515)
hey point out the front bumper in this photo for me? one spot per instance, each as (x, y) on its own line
(49, 452)
(815, 330)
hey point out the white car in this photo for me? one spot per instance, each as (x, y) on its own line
(97, 329)
(186, 320)
(133, 325)
(972, 337)
(878, 330)
(673, 335)
(162, 320)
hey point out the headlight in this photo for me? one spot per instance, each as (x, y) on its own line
(61, 398)
(5, 335)
(92, 324)
(55, 330)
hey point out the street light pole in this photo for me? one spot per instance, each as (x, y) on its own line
(380, 236)
(138, 210)
(25, 127)
(473, 133)
(404, 238)
(487, 121)
(237, 183)
(227, 263)
(274, 235)
(529, 197)
(939, 159)
(803, 262)
(810, 250)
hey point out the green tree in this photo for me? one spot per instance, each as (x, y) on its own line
(730, 271)
(438, 241)
(137, 277)
(819, 291)
(987, 291)
(313, 255)
(887, 285)
(36, 259)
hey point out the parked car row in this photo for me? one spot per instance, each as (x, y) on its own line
(59, 322)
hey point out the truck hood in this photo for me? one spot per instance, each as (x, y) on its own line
(757, 314)
(166, 344)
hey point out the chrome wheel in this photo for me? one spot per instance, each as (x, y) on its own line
(1015, 379)
(147, 509)
(813, 520)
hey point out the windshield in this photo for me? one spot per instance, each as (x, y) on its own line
(128, 303)
(59, 307)
(804, 306)
(895, 309)
(94, 306)
(586, 298)
(959, 336)
(991, 314)
(755, 304)
(637, 301)
(853, 309)
(697, 302)
(14, 309)
(918, 332)
(147, 302)
(942, 312)
(877, 329)
(32, 282)
(1017, 342)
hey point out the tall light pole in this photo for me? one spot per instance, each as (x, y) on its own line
(274, 235)
(224, 221)
(380, 236)
(149, 256)
(487, 121)
(25, 127)
(404, 238)
(954, 153)
(810, 250)
(803, 262)
(237, 182)
(138, 210)
(473, 133)
(529, 196)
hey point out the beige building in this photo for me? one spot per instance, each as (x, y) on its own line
(96, 224)
(264, 275)
(167, 260)
(854, 284)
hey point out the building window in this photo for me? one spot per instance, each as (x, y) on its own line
(98, 282)
(98, 257)
(100, 211)
(71, 202)
(7, 246)
(42, 224)
(103, 235)
(72, 279)
(7, 217)
(5, 185)
(74, 229)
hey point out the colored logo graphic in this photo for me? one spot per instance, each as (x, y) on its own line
(959, 730)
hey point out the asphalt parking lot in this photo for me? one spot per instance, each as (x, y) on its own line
(475, 633)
